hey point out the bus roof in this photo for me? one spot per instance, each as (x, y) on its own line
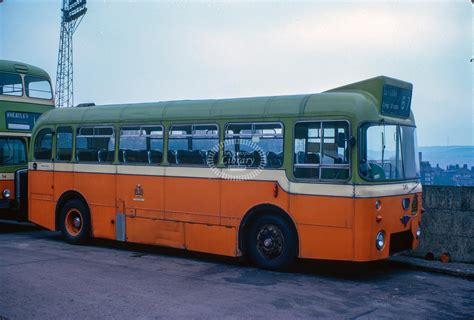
(345, 102)
(23, 68)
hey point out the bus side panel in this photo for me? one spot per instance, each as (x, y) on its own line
(145, 194)
(238, 197)
(211, 239)
(151, 231)
(322, 210)
(99, 191)
(40, 194)
(192, 200)
(63, 182)
(323, 242)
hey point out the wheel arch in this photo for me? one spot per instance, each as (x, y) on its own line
(63, 199)
(261, 209)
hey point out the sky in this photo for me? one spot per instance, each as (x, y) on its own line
(140, 51)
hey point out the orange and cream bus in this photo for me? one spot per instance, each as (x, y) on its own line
(25, 93)
(332, 175)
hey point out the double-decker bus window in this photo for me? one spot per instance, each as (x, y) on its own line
(11, 84)
(95, 144)
(38, 88)
(321, 150)
(193, 144)
(64, 144)
(141, 144)
(43, 144)
(254, 145)
(12, 151)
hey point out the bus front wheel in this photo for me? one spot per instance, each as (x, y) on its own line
(75, 222)
(271, 242)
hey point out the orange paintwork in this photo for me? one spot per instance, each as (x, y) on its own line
(204, 214)
(366, 223)
(10, 185)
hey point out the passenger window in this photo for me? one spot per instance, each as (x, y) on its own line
(11, 84)
(193, 144)
(64, 144)
(95, 144)
(43, 145)
(141, 144)
(253, 145)
(321, 150)
(38, 88)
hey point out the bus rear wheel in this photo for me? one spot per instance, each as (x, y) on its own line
(75, 222)
(271, 242)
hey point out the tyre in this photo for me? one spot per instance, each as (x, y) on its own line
(271, 242)
(75, 222)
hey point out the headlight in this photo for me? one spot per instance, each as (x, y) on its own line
(6, 193)
(380, 240)
(418, 232)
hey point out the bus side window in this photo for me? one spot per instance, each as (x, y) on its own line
(193, 144)
(253, 145)
(141, 144)
(334, 155)
(307, 153)
(43, 145)
(321, 150)
(64, 144)
(95, 144)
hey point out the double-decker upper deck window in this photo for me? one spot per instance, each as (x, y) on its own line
(64, 144)
(38, 88)
(141, 144)
(95, 144)
(11, 84)
(193, 144)
(253, 145)
(43, 144)
(321, 150)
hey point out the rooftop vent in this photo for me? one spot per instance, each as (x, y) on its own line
(85, 105)
(21, 68)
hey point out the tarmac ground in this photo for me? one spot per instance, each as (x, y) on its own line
(42, 277)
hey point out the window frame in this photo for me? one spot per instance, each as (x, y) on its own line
(251, 135)
(26, 89)
(76, 135)
(25, 145)
(140, 127)
(23, 91)
(360, 135)
(168, 137)
(33, 144)
(56, 144)
(320, 166)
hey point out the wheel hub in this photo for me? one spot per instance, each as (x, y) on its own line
(76, 222)
(270, 241)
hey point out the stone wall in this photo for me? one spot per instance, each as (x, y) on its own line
(448, 223)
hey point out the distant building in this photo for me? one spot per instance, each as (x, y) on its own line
(453, 175)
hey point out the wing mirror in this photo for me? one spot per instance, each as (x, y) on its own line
(341, 140)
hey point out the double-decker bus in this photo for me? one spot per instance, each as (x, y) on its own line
(25, 93)
(331, 176)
